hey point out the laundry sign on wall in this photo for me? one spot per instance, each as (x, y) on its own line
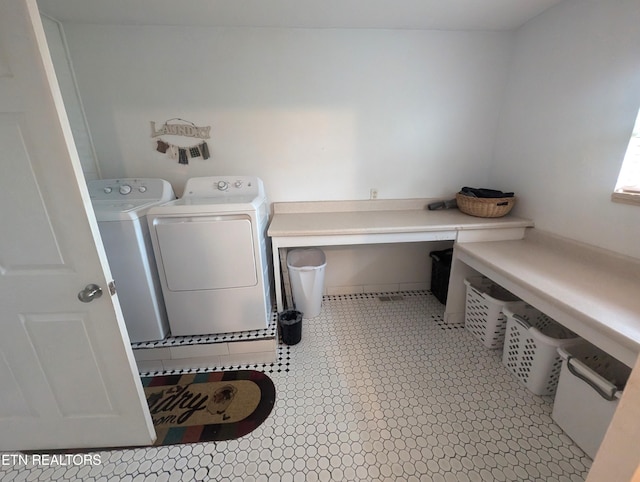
(182, 153)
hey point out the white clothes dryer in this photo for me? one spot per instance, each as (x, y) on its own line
(121, 206)
(211, 250)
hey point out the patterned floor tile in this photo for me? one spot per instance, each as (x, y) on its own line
(378, 389)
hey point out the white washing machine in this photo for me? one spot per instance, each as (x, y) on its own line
(211, 249)
(121, 206)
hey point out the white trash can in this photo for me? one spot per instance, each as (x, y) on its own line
(306, 272)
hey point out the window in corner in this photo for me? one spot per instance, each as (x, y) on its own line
(628, 185)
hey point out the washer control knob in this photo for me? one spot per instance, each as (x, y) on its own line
(107, 190)
(238, 184)
(142, 189)
(125, 189)
(222, 185)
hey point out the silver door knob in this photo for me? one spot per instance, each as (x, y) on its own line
(90, 293)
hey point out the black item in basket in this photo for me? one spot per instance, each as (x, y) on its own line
(290, 323)
(483, 192)
(440, 271)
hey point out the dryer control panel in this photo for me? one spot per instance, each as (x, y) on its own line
(229, 187)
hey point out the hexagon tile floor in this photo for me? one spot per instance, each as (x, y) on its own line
(375, 391)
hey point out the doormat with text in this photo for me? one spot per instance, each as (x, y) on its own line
(205, 407)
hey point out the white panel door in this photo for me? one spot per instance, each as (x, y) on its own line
(67, 372)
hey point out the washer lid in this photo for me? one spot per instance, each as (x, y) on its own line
(111, 210)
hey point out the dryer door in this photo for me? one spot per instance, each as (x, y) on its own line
(207, 252)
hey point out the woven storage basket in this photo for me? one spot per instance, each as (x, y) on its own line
(485, 207)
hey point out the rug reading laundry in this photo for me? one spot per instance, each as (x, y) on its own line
(205, 407)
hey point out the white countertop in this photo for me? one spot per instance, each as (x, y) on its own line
(598, 288)
(376, 217)
(341, 223)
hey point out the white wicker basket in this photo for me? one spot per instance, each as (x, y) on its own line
(531, 347)
(483, 315)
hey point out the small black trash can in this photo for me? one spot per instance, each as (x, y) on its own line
(290, 323)
(440, 272)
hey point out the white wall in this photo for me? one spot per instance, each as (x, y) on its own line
(380, 267)
(329, 114)
(573, 96)
(318, 114)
